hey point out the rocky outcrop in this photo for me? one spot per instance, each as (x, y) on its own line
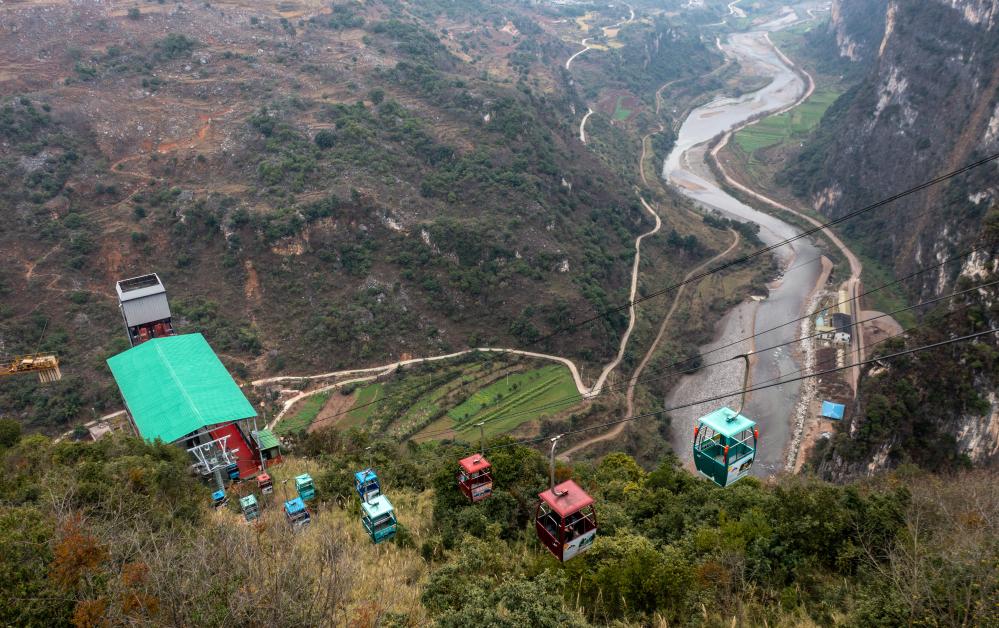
(928, 104)
(857, 26)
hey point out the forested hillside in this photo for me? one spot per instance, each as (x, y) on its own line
(118, 533)
(319, 187)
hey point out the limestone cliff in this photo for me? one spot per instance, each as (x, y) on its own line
(928, 104)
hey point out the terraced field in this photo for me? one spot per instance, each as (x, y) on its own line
(786, 127)
(515, 400)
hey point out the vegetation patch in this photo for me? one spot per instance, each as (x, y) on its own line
(301, 420)
(788, 126)
(516, 399)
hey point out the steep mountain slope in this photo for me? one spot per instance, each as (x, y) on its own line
(317, 185)
(928, 105)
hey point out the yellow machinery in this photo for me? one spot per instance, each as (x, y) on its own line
(46, 365)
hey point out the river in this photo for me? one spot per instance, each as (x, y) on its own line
(685, 169)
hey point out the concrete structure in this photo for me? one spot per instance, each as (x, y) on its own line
(144, 308)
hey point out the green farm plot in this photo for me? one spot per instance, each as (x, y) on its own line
(516, 399)
(364, 406)
(788, 126)
(620, 113)
(306, 414)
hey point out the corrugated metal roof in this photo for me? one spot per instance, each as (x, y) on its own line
(146, 309)
(266, 439)
(719, 421)
(176, 385)
(138, 287)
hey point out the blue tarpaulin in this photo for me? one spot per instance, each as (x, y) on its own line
(832, 410)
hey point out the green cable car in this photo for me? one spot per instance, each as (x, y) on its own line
(305, 487)
(378, 518)
(725, 446)
(250, 507)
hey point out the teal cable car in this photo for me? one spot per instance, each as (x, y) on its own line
(219, 499)
(366, 484)
(305, 487)
(250, 507)
(378, 518)
(725, 446)
(297, 513)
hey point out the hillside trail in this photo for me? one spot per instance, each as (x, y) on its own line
(615, 431)
(586, 46)
(584, 391)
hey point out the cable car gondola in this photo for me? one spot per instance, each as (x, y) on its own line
(265, 484)
(722, 449)
(565, 519)
(379, 518)
(366, 484)
(305, 487)
(297, 513)
(219, 499)
(474, 476)
(250, 508)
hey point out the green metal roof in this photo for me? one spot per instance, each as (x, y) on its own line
(176, 385)
(266, 439)
(719, 422)
(377, 507)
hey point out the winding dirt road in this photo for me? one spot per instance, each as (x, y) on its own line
(615, 431)
(582, 125)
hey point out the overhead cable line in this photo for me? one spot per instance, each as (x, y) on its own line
(662, 375)
(772, 247)
(924, 270)
(745, 258)
(636, 417)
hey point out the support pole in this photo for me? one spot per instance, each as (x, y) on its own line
(745, 383)
(551, 462)
(482, 438)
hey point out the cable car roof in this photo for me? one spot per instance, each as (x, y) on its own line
(377, 507)
(474, 463)
(305, 478)
(365, 476)
(726, 422)
(571, 498)
(294, 506)
(249, 500)
(219, 494)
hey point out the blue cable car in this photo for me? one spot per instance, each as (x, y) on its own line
(305, 487)
(378, 518)
(233, 472)
(297, 513)
(366, 484)
(219, 498)
(725, 446)
(250, 508)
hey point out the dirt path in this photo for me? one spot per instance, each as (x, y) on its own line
(582, 125)
(615, 431)
(333, 411)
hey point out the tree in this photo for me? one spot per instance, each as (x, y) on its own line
(134, 13)
(325, 139)
(10, 433)
(376, 95)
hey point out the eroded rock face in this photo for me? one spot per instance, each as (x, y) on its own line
(857, 26)
(927, 106)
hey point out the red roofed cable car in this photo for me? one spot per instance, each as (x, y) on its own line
(475, 478)
(565, 519)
